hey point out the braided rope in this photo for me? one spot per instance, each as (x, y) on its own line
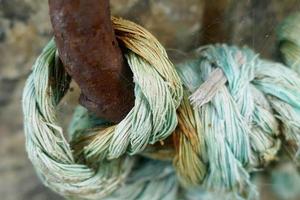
(239, 115)
(155, 107)
(229, 128)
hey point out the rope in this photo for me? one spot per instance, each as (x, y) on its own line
(221, 110)
(155, 108)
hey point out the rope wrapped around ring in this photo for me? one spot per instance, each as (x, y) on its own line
(158, 93)
(228, 112)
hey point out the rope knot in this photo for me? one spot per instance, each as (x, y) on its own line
(223, 109)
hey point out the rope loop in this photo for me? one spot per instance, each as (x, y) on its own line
(219, 116)
(158, 93)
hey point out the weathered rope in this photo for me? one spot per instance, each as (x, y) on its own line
(238, 130)
(224, 108)
(153, 118)
(46, 146)
(149, 179)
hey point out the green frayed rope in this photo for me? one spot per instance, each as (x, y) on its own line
(230, 128)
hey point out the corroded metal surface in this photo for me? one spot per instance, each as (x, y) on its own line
(91, 54)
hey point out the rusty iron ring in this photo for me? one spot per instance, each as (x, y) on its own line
(92, 56)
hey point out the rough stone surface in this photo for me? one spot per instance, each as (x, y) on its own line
(25, 28)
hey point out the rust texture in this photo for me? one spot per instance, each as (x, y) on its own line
(91, 55)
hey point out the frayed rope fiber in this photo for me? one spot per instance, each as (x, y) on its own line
(196, 130)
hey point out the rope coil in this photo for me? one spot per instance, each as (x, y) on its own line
(229, 128)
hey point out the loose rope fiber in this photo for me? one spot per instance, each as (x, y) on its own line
(225, 113)
(153, 118)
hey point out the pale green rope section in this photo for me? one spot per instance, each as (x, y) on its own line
(46, 146)
(158, 92)
(240, 116)
(288, 35)
(225, 133)
(149, 179)
(143, 43)
(282, 88)
(153, 117)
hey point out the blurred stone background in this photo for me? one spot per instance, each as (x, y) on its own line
(181, 25)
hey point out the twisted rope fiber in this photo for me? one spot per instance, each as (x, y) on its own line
(157, 96)
(229, 129)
